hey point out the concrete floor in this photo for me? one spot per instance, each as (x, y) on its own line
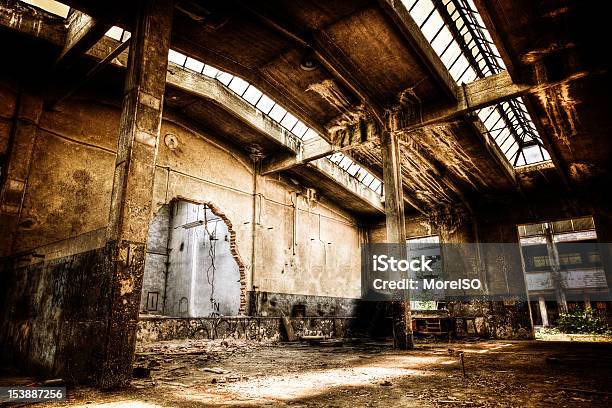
(200, 373)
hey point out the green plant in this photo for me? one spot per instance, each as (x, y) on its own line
(582, 321)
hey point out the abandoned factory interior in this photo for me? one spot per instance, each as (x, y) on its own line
(313, 203)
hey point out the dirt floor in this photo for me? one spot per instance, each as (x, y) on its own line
(200, 373)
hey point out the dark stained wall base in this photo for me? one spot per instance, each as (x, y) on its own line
(271, 304)
(240, 327)
(74, 317)
(55, 314)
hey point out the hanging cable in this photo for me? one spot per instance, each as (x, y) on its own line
(211, 270)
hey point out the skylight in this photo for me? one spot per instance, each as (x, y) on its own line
(267, 106)
(457, 33)
(53, 7)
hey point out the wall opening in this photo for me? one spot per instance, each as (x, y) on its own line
(563, 267)
(192, 263)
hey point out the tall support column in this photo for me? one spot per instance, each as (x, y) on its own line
(553, 256)
(396, 232)
(133, 184)
(543, 311)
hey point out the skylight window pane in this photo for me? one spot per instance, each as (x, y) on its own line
(494, 118)
(504, 134)
(210, 71)
(310, 134)
(442, 41)
(467, 38)
(512, 152)
(433, 25)
(376, 186)
(300, 129)
(459, 67)
(505, 146)
(194, 65)
(238, 85)
(451, 54)
(265, 104)
(224, 77)
(353, 169)
(421, 11)
(53, 7)
(345, 163)
(176, 57)
(252, 95)
(468, 76)
(409, 3)
(115, 33)
(289, 121)
(277, 113)
(533, 154)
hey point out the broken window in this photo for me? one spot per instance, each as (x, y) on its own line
(428, 246)
(561, 262)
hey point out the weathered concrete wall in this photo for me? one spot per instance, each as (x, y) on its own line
(325, 258)
(60, 225)
(71, 176)
(316, 250)
(54, 212)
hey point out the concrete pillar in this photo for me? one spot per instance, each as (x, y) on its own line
(555, 267)
(543, 311)
(133, 183)
(396, 232)
(587, 301)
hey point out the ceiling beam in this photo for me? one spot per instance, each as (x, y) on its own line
(344, 139)
(83, 31)
(396, 10)
(53, 102)
(210, 89)
(476, 95)
(23, 18)
(328, 54)
(348, 182)
(310, 150)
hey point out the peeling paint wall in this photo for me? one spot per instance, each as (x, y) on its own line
(60, 227)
